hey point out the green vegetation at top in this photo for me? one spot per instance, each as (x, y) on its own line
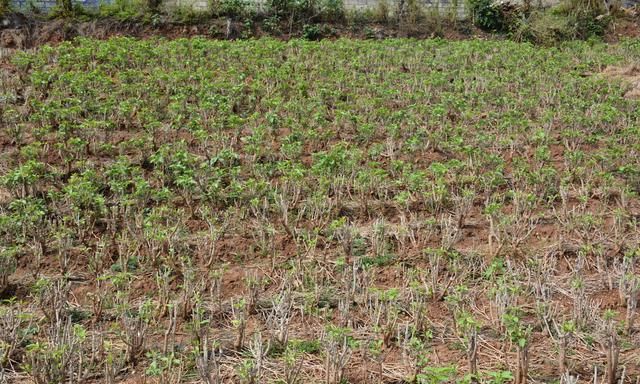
(317, 19)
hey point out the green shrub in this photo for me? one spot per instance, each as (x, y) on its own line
(5, 6)
(333, 10)
(123, 9)
(63, 8)
(271, 25)
(68, 9)
(544, 28)
(584, 18)
(306, 11)
(588, 24)
(410, 16)
(188, 15)
(358, 18)
(486, 15)
(229, 8)
(575, 7)
(381, 13)
(369, 33)
(311, 32)
(556, 25)
(293, 10)
(434, 22)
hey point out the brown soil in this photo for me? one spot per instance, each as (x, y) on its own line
(629, 75)
(626, 26)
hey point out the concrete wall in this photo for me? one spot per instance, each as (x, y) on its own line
(443, 6)
(197, 5)
(48, 4)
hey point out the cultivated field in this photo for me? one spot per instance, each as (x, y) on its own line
(344, 211)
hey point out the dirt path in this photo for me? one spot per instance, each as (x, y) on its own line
(629, 75)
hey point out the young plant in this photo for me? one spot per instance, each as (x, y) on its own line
(564, 334)
(507, 231)
(250, 369)
(61, 358)
(15, 325)
(134, 325)
(338, 351)
(208, 359)
(280, 316)
(293, 359)
(436, 375)
(611, 344)
(168, 368)
(239, 313)
(518, 334)
(384, 312)
(468, 330)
